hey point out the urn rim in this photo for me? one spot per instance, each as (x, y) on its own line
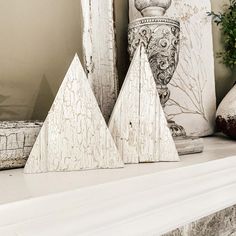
(154, 20)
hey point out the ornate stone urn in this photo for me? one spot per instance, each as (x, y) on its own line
(161, 37)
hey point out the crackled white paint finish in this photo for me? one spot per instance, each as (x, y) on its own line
(138, 124)
(100, 52)
(16, 141)
(74, 135)
(192, 103)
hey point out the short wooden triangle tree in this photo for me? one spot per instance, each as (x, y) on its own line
(138, 124)
(74, 135)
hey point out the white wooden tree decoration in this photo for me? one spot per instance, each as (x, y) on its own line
(74, 135)
(138, 124)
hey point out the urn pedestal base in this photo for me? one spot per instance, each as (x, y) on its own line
(185, 144)
(188, 145)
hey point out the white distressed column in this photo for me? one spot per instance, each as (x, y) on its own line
(100, 52)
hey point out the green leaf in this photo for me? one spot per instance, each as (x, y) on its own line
(227, 20)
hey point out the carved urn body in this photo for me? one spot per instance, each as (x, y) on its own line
(160, 36)
(152, 7)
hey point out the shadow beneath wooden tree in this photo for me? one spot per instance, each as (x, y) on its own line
(43, 101)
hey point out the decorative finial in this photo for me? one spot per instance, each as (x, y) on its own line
(152, 7)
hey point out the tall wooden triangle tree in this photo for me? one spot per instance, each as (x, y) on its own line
(74, 135)
(138, 124)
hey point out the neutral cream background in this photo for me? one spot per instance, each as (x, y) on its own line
(38, 41)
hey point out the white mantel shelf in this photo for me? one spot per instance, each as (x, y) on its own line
(144, 199)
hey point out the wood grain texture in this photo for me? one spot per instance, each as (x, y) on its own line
(192, 102)
(74, 135)
(100, 52)
(16, 141)
(138, 124)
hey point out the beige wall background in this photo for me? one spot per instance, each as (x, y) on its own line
(38, 41)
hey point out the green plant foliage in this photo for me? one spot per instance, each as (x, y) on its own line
(227, 22)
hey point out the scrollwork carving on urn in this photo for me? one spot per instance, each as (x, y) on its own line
(160, 37)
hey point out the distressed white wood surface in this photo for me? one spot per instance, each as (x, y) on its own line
(192, 103)
(74, 135)
(16, 141)
(138, 124)
(100, 52)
